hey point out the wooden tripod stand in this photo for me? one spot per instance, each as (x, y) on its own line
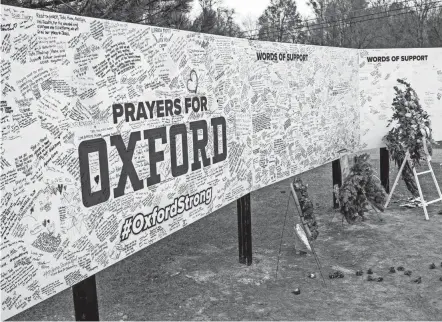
(416, 174)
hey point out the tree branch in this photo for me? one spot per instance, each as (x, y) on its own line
(42, 4)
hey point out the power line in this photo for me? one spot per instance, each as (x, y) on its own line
(347, 19)
(375, 18)
(335, 15)
(386, 16)
(329, 24)
(334, 25)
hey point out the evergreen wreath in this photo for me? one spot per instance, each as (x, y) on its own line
(306, 207)
(359, 189)
(408, 121)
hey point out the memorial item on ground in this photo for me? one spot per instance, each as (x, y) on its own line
(300, 233)
(418, 280)
(297, 291)
(405, 134)
(360, 189)
(411, 202)
(306, 205)
(337, 274)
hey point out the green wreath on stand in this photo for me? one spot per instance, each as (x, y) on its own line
(360, 189)
(408, 124)
(306, 205)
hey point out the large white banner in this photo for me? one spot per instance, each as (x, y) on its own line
(379, 71)
(116, 135)
(304, 111)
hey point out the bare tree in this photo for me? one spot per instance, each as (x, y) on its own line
(280, 22)
(216, 19)
(434, 28)
(250, 27)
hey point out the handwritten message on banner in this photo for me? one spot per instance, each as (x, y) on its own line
(379, 71)
(116, 135)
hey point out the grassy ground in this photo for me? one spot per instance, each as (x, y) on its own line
(194, 274)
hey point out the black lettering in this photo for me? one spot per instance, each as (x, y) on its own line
(154, 156)
(117, 111)
(203, 103)
(129, 110)
(218, 157)
(160, 108)
(141, 112)
(150, 107)
(187, 104)
(177, 105)
(84, 149)
(199, 144)
(178, 170)
(168, 107)
(128, 169)
(195, 101)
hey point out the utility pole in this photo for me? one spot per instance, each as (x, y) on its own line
(281, 20)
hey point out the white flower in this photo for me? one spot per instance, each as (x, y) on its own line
(395, 124)
(408, 115)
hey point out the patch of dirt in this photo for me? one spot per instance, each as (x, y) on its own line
(194, 274)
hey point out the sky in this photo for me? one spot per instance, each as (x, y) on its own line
(251, 8)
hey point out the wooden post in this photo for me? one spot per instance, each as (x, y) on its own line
(385, 169)
(85, 300)
(244, 229)
(337, 179)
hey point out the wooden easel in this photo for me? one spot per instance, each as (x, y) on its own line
(416, 174)
(306, 230)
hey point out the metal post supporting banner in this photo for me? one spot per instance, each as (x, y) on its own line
(337, 179)
(85, 300)
(385, 169)
(244, 229)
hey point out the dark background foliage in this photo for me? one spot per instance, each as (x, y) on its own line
(339, 23)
